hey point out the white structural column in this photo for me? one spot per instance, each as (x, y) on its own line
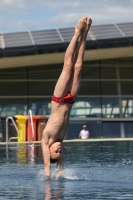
(122, 130)
(2, 43)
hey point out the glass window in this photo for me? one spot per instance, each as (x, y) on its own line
(86, 107)
(127, 106)
(13, 88)
(89, 88)
(126, 87)
(45, 72)
(13, 73)
(108, 72)
(111, 130)
(41, 88)
(110, 107)
(90, 71)
(109, 88)
(126, 68)
(40, 106)
(128, 128)
(117, 129)
(13, 106)
(126, 72)
(115, 107)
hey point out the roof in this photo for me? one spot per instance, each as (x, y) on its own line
(56, 40)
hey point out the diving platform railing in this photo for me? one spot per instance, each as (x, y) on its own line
(30, 124)
(11, 138)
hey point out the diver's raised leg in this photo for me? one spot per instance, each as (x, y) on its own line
(63, 83)
(78, 62)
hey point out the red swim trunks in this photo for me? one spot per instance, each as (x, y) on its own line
(68, 99)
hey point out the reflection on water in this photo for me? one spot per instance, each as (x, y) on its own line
(23, 153)
(54, 190)
(92, 170)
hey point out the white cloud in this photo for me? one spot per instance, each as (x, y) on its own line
(121, 10)
(7, 1)
(25, 15)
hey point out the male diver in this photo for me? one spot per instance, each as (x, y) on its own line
(64, 96)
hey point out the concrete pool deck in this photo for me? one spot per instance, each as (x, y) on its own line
(76, 140)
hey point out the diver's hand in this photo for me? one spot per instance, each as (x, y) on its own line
(59, 173)
(47, 178)
(47, 171)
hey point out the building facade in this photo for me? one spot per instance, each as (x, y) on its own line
(30, 64)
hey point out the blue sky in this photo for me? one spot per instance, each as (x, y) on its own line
(27, 15)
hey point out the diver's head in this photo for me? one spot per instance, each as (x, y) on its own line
(84, 127)
(55, 151)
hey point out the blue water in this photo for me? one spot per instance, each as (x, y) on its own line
(92, 170)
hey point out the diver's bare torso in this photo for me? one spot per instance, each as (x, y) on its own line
(58, 122)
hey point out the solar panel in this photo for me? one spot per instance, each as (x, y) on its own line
(17, 39)
(105, 31)
(45, 37)
(67, 34)
(127, 29)
(49, 41)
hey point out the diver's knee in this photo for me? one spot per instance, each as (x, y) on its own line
(78, 68)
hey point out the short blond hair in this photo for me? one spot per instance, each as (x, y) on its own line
(84, 126)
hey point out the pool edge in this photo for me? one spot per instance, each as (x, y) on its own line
(76, 140)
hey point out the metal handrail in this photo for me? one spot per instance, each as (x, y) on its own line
(11, 138)
(30, 119)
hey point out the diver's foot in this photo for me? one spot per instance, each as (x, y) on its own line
(87, 26)
(80, 26)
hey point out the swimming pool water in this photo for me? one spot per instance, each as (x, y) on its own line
(92, 170)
